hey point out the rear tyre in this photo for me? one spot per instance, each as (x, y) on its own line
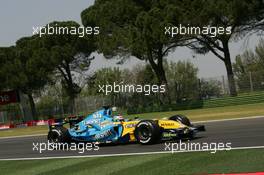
(182, 119)
(148, 132)
(59, 134)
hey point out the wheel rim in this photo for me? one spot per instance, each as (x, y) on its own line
(144, 133)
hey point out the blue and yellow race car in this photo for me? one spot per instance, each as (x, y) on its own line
(103, 127)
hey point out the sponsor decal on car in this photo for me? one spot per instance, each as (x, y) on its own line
(167, 124)
(97, 115)
(131, 125)
(105, 123)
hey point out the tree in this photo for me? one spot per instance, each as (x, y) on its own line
(5, 55)
(259, 53)
(134, 28)
(248, 68)
(71, 56)
(210, 88)
(105, 77)
(123, 79)
(183, 80)
(51, 101)
(256, 21)
(235, 14)
(25, 68)
(144, 75)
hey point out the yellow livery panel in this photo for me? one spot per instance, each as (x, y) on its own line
(129, 127)
(169, 124)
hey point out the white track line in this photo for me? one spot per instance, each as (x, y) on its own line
(206, 121)
(125, 154)
(231, 119)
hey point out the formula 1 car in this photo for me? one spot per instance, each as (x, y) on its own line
(103, 127)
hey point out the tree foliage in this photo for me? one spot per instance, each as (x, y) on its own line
(248, 68)
(26, 68)
(236, 14)
(183, 80)
(134, 28)
(71, 57)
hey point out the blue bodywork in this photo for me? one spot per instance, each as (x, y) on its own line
(97, 127)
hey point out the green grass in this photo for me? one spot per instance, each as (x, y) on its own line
(234, 161)
(195, 115)
(241, 99)
(24, 131)
(211, 113)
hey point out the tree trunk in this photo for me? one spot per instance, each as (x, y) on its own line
(33, 107)
(69, 85)
(162, 80)
(229, 69)
(72, 105)
(161, 75)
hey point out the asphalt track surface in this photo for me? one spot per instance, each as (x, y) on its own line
(240, 133)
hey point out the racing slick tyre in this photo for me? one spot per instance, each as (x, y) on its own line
(148, 132)
(182, 119)
(59, 134)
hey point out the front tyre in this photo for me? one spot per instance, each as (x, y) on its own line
(182, 119)
(148, 132)
(59, 134)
